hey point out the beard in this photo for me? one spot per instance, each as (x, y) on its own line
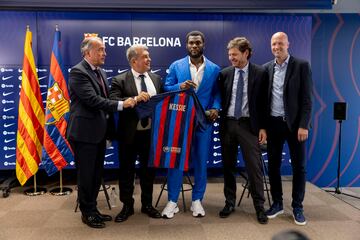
(196, 55)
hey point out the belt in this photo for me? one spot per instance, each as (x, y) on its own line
(279, 118)
(239, 119)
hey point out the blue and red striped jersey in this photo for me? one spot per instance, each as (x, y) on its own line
(175, 116)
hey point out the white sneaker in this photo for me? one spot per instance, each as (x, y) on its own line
(197, 209)
(170, 209)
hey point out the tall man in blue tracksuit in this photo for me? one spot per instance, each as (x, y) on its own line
(198, 72)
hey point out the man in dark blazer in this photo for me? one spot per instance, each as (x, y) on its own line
(243, 118)
(89, 124)
(134, 135)
(290, 104)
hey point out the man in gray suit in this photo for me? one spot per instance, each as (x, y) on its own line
(134, 135)
(89, 126)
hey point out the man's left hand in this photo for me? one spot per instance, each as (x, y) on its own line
(302, 134)
(262, 136)
(212, 114)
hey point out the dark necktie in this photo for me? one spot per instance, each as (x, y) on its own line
(145, 121)
(239, 95)
(101, 82)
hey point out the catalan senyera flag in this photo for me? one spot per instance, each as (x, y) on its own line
(31, 117)
(57, 151)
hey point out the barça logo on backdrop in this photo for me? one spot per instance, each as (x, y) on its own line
(88, 35)
(56, 103)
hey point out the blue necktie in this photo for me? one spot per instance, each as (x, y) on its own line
(239, 95)
(145, 121)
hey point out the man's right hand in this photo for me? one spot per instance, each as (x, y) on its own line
(129, 103)
(187, 84)
(142, 97)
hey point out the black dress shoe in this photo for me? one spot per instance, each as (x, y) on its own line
(125, 213)
(227, 210)
(261, 216)
(150, 211)
(93, 221)
(103, 217)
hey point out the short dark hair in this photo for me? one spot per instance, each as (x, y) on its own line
(242, 44)
(195, 33)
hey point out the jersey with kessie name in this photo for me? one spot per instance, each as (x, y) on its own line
(175, 116)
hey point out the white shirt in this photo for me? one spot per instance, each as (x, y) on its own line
(197, 73)
(148, 82)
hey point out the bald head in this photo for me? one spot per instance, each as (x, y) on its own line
(280, 46)
(280, 35)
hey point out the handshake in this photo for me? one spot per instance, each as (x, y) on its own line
(131, 102)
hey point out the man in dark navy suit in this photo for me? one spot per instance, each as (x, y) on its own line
(243, 118)
(89, 126)
(290, 105)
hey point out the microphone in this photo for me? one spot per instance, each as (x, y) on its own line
(207, 113)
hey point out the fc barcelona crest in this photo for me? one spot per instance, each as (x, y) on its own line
(89, 35)
(57, 104)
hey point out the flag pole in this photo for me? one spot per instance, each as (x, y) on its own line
(61, 191)
(35, 191)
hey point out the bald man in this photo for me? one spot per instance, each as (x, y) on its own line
(290, 104)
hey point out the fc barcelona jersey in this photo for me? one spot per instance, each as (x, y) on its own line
(175, 116)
